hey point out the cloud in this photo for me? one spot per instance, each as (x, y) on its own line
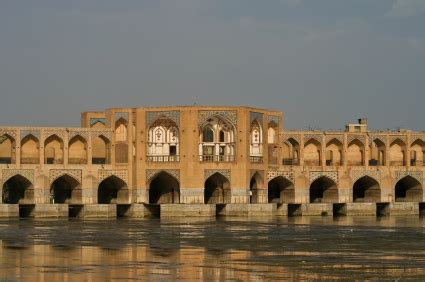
(406, 8)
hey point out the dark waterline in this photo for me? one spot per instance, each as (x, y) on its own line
(294, 248)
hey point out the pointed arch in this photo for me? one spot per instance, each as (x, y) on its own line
(417, 152)
(366, 190)
(112, 190)
(291, 152)
(101, 150)
(355, 153)
(217, 189)
(312, 153)
(217, 140)
(18, 190)
(7, 149)
(272, 132)
(30, 150)
(281, 190)
(53, 150)
(377, 153)
(255, 185)
(408, 189)
(164, 188)
(66, 189)
(398, 153)
(334, 149)
(121, 130)
(323, 190)
(77, 150)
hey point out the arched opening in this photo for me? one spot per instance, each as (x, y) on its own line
(255, 185)
(408, 189)
(164, 189)
(7, 149)
(323, 190)
(77, 150)
(217, 189)
(66, 190)
(272, 132)
(101, 150)
(417, 150)
(377, 153)
(312, 153)
(30, 150)
(121, 130)
(281, 190)
(366, 190)
(398, 153)
(355, 153)
(53, 150)
(334, 150)
(256, 144)
(217, 140)
(112, 190)
(163, 141)
(18, 190)
(290, 152)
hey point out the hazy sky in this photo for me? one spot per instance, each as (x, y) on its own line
(323, 63)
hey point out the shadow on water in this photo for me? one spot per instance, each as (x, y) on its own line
(209, 249)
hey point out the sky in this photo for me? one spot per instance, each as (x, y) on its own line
(322, 63)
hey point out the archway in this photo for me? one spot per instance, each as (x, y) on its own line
(355, 153)
(30, 150)
(217, 189)
(323, 190)
(312, 153)
(66, 190)
(164, 189)
(408, 189)
(334, 149)
(18, 190)
(53, 150)
(77, 149)
(281, 190)
(101, 150)
(366, 190)
(255, 185)
(7, 149)
(112, 190)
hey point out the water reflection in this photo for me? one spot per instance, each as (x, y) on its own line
(233, 249)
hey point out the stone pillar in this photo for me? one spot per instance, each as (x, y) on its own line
(301, 153)
(18, 148)
(366, 152)
(89, 150)
(302, 195)
(408, 152)
(191, 195)
(344, 151)
(65, 149)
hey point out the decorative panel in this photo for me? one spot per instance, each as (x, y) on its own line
(120, 173)
(286, 137)
(123, 115)
(152, 173)
(330, 174)
(357, 174)
(225, 172)
(93, 121)
(418, 175)
(26, 132)
(290, 175)
(317, 137)
(83, 133)
(61, 133)
(105, 133)
(9, 173)
(382, 138)
(338, 137)
(256, 116)
(393, 138)
(151, 117)
(56, 173)
(414, 138)
(352, 137)
(231, 116)
(9, 131)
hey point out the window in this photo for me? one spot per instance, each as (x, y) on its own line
(222, 136)
(173, 150)
(208, 135)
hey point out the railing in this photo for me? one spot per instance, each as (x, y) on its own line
(77, 161)
(256, 159)
(312, 163)
(5, 160)
(214, 158)
(163, 159)
(397, 163)
(334, 164)
(290, 162)
(30, 160)
(354, 163)
(97, 161)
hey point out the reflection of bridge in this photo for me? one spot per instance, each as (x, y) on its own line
(203, 161)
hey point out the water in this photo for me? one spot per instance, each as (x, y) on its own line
(298, 248)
